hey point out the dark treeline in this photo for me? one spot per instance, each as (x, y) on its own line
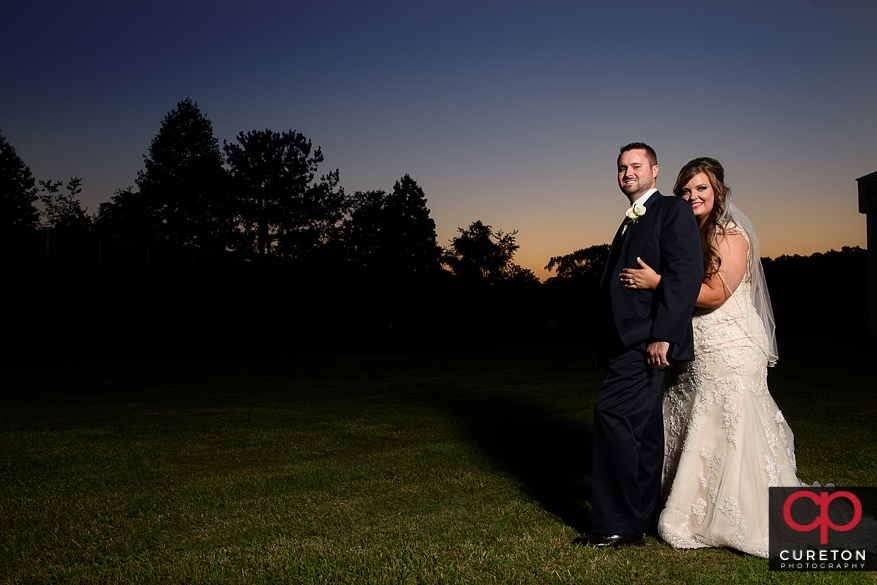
(73, 302)
(263, 193)
(823, 295)
(129, 299)
(341, 271)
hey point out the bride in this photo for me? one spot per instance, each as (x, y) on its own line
(726, 441)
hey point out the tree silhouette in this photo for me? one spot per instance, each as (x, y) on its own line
(478, 252)
(17, 190)
(362, 232)
(582, 265)
(315, 219)
(804, 310)
(63, 212)
(411, 236)
(392, 230)
(281, 210)
(184, 182)
(127, 215)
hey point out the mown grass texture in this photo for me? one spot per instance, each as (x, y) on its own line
(440, 467)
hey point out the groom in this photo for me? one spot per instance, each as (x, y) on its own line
(645, 330)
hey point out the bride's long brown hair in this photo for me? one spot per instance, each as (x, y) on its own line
(715, 172)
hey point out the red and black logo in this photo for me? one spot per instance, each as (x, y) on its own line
(822, 529)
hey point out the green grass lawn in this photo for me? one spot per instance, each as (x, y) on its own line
(441, 467)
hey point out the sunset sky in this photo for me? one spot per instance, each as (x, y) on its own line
(507, 112)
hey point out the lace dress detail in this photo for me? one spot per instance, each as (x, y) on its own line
(726, 441)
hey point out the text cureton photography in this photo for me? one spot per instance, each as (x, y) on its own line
(823, 529)
(834, 559)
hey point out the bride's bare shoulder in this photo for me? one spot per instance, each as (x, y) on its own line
(732, 239)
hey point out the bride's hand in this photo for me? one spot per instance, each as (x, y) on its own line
(643, 278)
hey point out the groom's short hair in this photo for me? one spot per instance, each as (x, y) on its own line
(650, 152)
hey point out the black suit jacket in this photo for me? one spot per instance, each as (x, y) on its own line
(666, 237)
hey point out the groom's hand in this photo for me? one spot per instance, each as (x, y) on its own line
(656, 354)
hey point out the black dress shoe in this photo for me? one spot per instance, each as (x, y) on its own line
(610, 540)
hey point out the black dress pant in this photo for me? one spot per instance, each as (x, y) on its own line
(628, 445)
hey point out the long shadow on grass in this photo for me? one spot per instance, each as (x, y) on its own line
(550, 456)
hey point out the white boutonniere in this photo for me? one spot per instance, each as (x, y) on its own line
(635, 212)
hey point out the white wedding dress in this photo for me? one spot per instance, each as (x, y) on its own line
(726, 441)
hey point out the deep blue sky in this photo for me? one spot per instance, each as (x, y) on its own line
(508, 112)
